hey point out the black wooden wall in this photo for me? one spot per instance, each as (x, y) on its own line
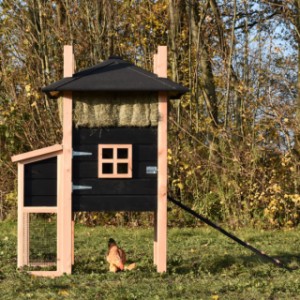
(138, 193)
(40, 183)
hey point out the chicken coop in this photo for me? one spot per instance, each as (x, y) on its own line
(113, 157)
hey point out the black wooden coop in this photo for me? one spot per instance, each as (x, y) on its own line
(113, 155)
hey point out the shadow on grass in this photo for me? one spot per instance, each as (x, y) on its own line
(290, 260)
(178, 264)
(100, 266)
(89, 265)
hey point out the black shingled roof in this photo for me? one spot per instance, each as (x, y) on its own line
(115, 74)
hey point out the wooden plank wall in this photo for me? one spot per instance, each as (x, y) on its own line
(40, 183)
(138, 193)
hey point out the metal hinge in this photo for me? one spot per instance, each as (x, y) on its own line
(79, 153)
(81, 187)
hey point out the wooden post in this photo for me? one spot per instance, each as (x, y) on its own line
(69, 62)
(26, 234)
(160, 239)
(59, 218)
(73, 239)
(65, 207)
(21, 226)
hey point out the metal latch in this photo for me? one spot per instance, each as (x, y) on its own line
(151, 170)
(81, 187)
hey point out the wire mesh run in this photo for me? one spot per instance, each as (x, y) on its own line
(42, 241)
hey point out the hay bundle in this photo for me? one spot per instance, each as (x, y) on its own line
(125, 114)
(115, 109)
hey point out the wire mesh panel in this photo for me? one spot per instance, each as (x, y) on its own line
(42, 241)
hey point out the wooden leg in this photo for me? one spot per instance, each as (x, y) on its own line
(26, 218)
(66, 200)
(155, 240)
(161, 248)
(73, 239)
(162, 178)
(21, 225)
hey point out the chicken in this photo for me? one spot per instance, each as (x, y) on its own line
(116, 258)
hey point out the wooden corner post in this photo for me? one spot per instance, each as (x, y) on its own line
(23, 250)
(65, 224)
(160, 230)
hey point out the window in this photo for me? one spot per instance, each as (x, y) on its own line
(115, 161)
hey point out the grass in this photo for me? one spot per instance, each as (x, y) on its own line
(202, 264)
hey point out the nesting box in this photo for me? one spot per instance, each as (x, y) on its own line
(113, 155)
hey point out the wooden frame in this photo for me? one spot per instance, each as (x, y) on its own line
(65, 198)
(65, 224)
(160, 229)
(40, 209)
(114, 160)
(66, 232)
(37, 155)
(23, 212)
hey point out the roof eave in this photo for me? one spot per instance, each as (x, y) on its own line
(172, 94)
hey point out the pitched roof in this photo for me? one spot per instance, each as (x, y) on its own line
(115, 74)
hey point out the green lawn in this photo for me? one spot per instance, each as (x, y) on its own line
(202, 264)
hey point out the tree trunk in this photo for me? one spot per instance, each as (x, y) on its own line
(173, 13)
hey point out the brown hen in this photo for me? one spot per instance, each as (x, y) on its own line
(116, 258)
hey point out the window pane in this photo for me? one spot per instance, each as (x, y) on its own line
(122, 153)
(122, 168)
(107, 153)
(107, 168)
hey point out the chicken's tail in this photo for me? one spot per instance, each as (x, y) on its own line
(130, 267)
